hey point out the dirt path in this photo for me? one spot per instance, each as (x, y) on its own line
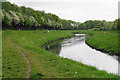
(28, 63)
(25, 57)
(111, 33)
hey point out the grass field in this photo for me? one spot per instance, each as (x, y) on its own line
(44, 64)
(104, 40)
(0, 54)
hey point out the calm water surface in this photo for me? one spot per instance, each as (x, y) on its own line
(76, 49)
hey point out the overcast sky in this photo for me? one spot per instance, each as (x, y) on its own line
(76, 10)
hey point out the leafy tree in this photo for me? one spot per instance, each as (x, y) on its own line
(82, 26)
(89, 24)
(7, 19)
(6, 6)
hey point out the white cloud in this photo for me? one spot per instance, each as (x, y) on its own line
(77, 10)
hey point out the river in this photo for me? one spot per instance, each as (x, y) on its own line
(76, 49)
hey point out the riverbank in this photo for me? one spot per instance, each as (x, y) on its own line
(105, 41)
(43, 63)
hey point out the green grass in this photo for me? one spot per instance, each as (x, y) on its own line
(105, 40)
(44, 64)
(13, 63)
(0, 54)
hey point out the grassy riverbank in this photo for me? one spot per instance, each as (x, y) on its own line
(43, 63)
(104, 40)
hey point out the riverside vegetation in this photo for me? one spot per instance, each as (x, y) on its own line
(106, 41)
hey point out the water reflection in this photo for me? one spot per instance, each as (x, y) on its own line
(54, 47)
(76, 49)
(73, 41)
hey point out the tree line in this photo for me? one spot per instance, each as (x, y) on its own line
(100, 25)
(24, 18)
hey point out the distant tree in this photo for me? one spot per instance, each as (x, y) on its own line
(82, 26)
(89, 24)
(118, 24)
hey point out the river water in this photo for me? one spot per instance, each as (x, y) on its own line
(76, 49)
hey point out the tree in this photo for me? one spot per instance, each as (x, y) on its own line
(14, 17)
(89, 24)
(6, 6)
(7, 19)
(82, 26)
